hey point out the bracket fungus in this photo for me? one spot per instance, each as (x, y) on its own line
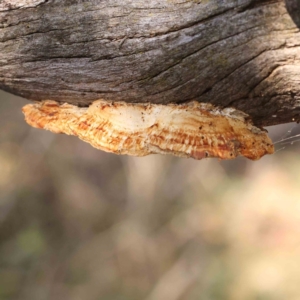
(193, 129)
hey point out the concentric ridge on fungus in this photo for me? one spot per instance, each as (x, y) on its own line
(196, 130)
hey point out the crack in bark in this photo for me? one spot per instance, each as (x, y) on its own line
(255, 3)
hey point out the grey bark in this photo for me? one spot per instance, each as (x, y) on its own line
(240, 53)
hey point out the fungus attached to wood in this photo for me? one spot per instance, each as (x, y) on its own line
(196, 130)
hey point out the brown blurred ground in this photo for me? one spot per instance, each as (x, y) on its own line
(80, 224)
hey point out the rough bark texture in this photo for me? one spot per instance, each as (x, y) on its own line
(240, 53)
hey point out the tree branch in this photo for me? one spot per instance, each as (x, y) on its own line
(244, 54)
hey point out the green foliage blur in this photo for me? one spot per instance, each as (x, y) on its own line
(80, 224)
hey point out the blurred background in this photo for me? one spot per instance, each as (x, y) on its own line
(81, 224)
